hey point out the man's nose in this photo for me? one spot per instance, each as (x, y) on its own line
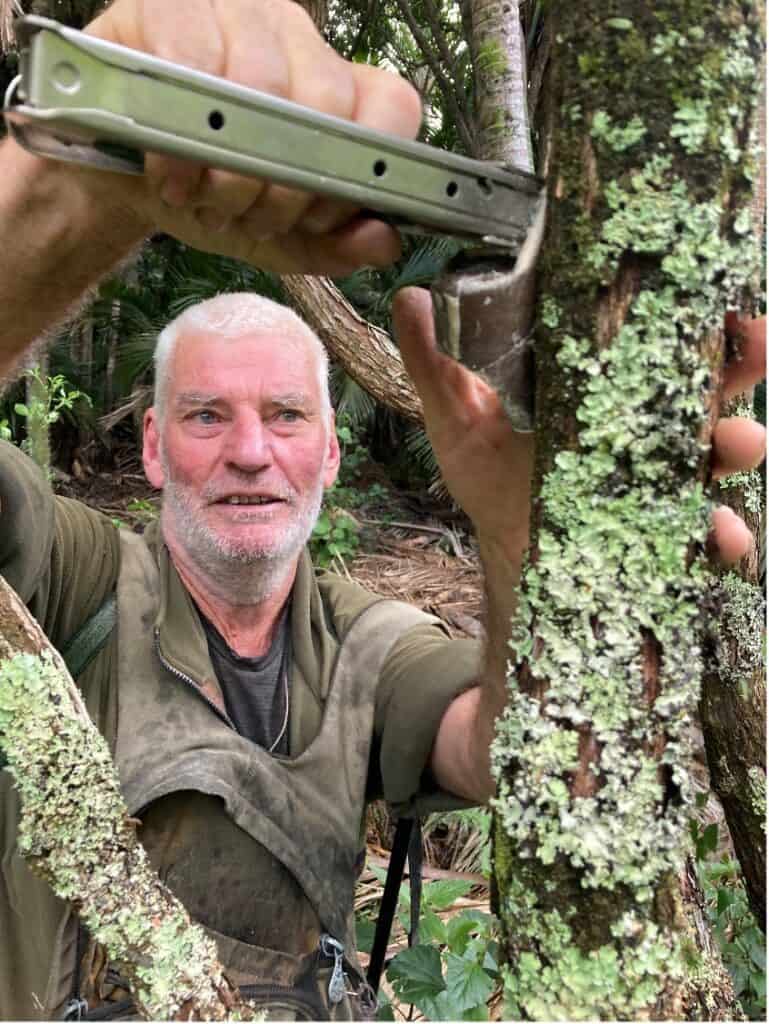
(248, 443)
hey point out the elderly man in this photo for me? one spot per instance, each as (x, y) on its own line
(252, 708)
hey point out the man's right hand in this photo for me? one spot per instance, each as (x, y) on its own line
(273, 46)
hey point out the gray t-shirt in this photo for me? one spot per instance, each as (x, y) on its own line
(255, 690)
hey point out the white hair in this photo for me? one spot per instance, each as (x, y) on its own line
(230, 316)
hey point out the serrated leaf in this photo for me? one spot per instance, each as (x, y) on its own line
(462, 926)
(443, 893)
(467, 984)
(416, 975)
(432, 931)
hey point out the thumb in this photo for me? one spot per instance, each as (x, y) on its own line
(415, 333)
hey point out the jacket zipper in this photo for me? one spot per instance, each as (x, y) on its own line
(189, 681)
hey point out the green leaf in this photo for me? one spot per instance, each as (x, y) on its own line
(724, 899)
(622, 24)
(385, 1011)
(480, 1012)
(432, 931)
(462, 926)
(443, 893)
(758, 954)
(364, 933)
(416, 975)
(467, 984)
(709, 838)
(20, 409)
(322, 526)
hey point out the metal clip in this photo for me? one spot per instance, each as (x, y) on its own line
(330, 947)
(75, 1009)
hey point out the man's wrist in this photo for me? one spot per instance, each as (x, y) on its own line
(66, 229)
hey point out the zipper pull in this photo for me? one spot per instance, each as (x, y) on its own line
(330, 947)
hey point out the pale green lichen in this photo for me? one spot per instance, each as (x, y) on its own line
(550, 311)
(618, 137)
(739, 636)
(757, 781)
(76, 832)
(561, 982)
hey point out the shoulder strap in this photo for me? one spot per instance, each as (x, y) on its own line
(83, 647)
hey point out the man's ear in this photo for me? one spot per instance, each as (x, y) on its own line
(333, 455)
(153, 466)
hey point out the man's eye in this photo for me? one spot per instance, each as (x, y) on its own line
(206, 416)
(289, 415)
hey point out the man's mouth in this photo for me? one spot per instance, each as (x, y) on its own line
(249, 499)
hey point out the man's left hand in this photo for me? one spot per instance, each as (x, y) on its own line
(477, 449)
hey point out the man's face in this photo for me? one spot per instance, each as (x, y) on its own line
(245, 449)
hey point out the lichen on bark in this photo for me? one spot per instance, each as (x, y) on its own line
(76, 834)
(650, 168)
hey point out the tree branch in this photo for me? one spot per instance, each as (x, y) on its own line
(76, 834)
(366, 352)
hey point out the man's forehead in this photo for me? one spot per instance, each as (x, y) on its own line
(207, 367)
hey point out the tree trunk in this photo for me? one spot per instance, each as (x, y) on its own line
(498, 50)
(38, 398)
(649, 186)
(733, 703)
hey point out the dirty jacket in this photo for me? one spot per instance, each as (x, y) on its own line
(202, 844)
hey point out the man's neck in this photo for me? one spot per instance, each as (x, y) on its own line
(247, 628)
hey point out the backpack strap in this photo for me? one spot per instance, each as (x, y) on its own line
(82, 648)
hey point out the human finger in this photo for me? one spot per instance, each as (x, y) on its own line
(362, 242)
(749, 367)
(730, 538)
(385, 102)
(738, 444)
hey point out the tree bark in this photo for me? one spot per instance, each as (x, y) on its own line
(648, 112)
(733, 703)
(498, 50)
(76, 834)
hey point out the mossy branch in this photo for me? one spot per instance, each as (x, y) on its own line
(75, 833)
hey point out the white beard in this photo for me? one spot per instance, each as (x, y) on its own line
(237, 572)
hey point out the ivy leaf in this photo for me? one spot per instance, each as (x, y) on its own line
(467, 984)
(416, 976)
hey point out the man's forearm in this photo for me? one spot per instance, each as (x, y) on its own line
(59, 234)
(460, 757)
